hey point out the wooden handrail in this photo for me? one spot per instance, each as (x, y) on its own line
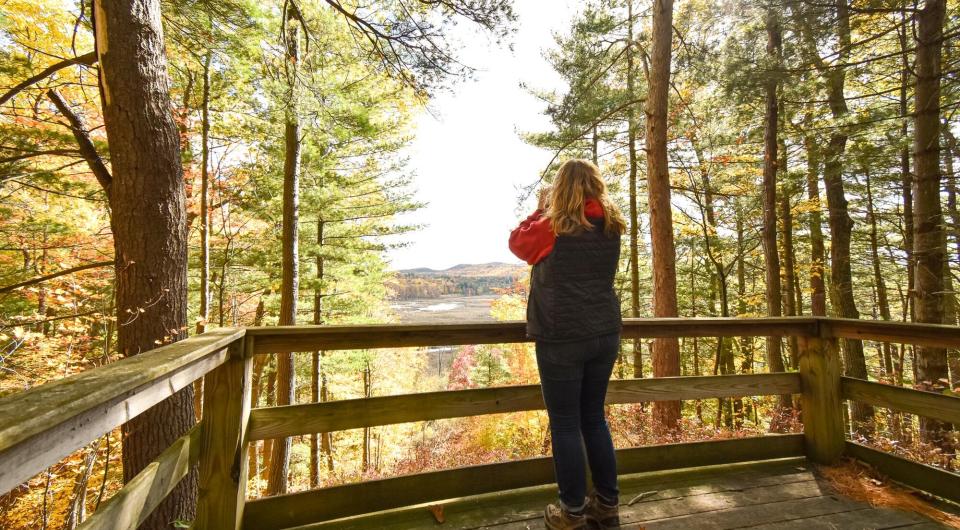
(280, 339)
(938, 406)
(138, 498)
(40, 426)
(293, 420)
(937, 335)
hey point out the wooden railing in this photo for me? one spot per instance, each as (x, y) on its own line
(40, 426)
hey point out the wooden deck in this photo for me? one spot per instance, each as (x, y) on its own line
(781, 494)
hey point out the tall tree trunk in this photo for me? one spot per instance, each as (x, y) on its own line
(953, 355)
(148, 219)
(41, 269)
(928, 247)
(205, 198)
(365, 456)
(77, 511)
(634, 218)
(906, 178)
(746, 343)
(724, 359)
(666, 352)
(257, 447)
(317, 377)
(286, 376)
(595, 148)
(818, 297)
(883, 304)
(841, 225)
(771, 257)
(788, 265)
(271, 400)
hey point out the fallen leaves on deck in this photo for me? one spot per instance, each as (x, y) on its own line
(860, 482)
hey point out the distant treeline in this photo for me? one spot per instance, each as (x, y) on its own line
(409, 286)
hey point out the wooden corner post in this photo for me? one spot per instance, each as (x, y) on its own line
(820, 398)
(223, 465)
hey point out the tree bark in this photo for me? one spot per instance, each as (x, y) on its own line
(928, 240)
(148, 219)
(666, 352)
(286, 376)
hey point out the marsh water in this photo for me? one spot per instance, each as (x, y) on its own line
(451, 308)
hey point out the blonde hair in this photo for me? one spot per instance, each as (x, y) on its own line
(575, 182)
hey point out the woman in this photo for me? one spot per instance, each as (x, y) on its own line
(573, 313)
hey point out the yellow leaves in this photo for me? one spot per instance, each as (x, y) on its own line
(43, 24)
(807, 206)
(19, 333)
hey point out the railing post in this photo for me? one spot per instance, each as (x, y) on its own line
(223, 463)
(820, 398)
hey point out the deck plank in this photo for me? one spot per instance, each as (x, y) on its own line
(781, 494)
(864, 517)
(803, 513)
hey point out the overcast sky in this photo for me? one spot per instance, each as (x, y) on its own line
(468, 159)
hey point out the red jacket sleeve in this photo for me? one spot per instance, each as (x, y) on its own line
(533, 239)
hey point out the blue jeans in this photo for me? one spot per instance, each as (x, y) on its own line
(574, 377)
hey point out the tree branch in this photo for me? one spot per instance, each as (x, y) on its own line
(85, 59)
(64, 272)
(87, 149)
(582, 134)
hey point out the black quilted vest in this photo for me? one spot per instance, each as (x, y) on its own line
(571, 290)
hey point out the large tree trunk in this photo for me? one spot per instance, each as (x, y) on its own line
(666, 352)
(634, 218)
(771, 257)
(928, 240)
(148, 218)
(286, 376)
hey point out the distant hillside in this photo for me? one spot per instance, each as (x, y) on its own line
(464, 280)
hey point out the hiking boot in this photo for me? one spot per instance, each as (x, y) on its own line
(556, 518)
(601, 514)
